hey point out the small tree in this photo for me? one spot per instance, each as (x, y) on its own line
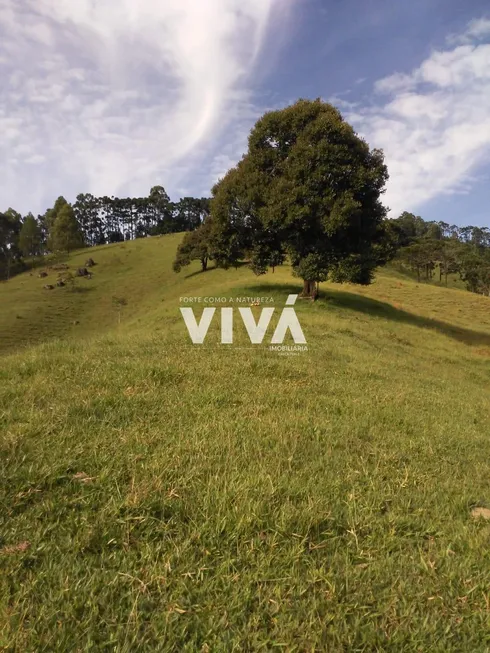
(30, 237)
(65, 234)
(196, 245)
(448, 258)
(47, 220)
(119, 303)
(415, 256)
(10, 225)
(475, 271)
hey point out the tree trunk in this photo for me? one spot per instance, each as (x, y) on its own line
(310, 289)
(204, 264)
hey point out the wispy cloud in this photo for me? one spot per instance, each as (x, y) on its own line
(118, 95)
(433, 123)
(477, 29)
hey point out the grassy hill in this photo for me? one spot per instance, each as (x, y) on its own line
(157, 495)
(140, 271)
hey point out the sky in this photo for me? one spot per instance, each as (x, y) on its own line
(112, 97)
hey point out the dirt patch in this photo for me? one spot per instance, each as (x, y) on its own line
(81, 477)
(480, 513)
(484, 351)
(15, 548)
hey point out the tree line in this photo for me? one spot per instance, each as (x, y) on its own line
(430, 248)
(91, 221)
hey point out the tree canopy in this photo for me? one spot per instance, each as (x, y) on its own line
(308, 187)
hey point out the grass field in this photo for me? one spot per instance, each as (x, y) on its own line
(163, 496)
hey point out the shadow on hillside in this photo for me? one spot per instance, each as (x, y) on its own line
(370, 306)
(359, 303)
(274, 288)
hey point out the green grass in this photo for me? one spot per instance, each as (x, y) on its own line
(174, 497)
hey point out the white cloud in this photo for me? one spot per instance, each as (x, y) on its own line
(433, 123)
(35, 159)
(118, 95)
(479, 28)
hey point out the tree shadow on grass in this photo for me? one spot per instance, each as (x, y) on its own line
(361, 304)
(270, 289)
(210, 268)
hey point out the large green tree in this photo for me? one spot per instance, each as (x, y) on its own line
(308, 186)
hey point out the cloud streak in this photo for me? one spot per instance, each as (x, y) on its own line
(113, 97)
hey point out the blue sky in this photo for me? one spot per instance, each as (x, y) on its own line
(114, 97)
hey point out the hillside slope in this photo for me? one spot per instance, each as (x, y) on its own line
(141, 273)
(158, 495)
